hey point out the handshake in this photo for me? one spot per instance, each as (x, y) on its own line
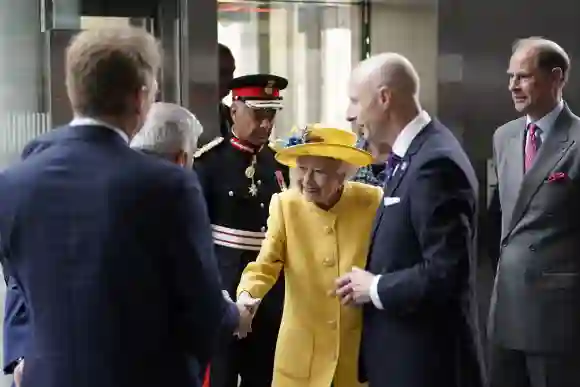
(247, 307)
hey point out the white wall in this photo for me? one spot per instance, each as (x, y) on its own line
(412, 32)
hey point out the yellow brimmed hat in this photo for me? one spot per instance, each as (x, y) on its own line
(316, 140)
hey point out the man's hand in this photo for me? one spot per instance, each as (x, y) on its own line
(355, 287)
(18, 372)
(248, 306)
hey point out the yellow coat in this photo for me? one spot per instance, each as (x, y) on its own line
(319, 339)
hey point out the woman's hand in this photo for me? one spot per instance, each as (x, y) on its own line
(248, 306)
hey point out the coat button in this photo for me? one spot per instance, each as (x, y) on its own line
(332, 324)
(328, 262)
(532, 248)
(263, 229)
(328, 230)
(231, 193)
(262, 205)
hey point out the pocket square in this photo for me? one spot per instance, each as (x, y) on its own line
(557, 176)
(390, 200)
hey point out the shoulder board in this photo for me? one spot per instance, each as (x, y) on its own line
(210, 145)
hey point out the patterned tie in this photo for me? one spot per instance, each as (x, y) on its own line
(533, 142)
(391, 166)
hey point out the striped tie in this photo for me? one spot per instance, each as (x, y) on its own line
(533, 143)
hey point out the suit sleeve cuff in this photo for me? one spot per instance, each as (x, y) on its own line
(374, 293)
(231, 317)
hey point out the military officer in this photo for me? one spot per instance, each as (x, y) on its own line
(239, 175)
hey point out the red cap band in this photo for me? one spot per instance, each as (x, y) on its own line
(256, 92)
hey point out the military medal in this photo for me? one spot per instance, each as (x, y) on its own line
(280, 180)
(250, 173)
(253, 189)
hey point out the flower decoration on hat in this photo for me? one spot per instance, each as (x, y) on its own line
(299, 137)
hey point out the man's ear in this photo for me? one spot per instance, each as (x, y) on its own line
(235, 109)
(384, 95)
(558, 75)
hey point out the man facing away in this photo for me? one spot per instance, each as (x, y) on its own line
(170, 132)
(534, 322)
(420, 320)
(110, 248)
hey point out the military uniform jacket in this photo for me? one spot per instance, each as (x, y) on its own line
(238, 218)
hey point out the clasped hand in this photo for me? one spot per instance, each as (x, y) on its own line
(354, 288)
(247, 307)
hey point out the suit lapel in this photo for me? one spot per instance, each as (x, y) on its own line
(397, 176)
(400, 172)
(516, 161)
(553, 149)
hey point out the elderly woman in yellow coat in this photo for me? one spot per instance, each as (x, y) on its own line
(317, 231)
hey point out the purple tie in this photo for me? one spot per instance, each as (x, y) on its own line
(391, 166)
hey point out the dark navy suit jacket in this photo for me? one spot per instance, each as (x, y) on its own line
(16, 328)
(423, 246)
(112, 252)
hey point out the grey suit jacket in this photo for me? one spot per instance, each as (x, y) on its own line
(536, 299)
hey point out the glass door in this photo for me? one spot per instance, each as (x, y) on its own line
(312, 43)
(161, 19)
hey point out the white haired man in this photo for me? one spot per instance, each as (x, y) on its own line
(171, 132)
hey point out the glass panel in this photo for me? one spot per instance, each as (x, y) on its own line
(313, 44)
(93, 22)
(20, 79)
(411, 29)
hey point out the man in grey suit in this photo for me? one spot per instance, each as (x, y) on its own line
(535, 308)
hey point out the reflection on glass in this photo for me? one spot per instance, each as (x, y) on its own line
(313, 44)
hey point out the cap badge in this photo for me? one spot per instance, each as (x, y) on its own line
(269, 89)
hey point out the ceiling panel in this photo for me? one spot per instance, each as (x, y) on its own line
(323, 2)
(431, 3)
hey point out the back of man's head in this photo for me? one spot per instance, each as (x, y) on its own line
(390, 70)
(169, 130)
(108, 69)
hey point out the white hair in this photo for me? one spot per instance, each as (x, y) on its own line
(168, 129)
(391, 70)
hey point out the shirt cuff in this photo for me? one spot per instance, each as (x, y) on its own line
(374, 293)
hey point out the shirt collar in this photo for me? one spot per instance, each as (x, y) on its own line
(409, 132)
(82, 121)
(547, 122)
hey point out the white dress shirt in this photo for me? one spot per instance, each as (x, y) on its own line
(82, 121)
(400, 148)
(546, 123)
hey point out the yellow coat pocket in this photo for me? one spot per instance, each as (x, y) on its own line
(294, 352)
